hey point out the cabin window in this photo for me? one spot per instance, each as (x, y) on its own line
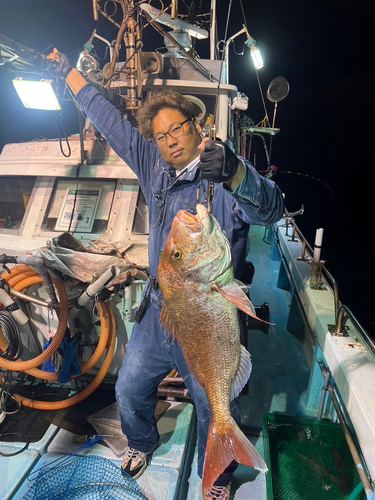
(82, 207)
(15, 193)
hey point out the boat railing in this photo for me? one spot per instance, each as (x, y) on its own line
(347, 433)
(342, 312)
(343, 315)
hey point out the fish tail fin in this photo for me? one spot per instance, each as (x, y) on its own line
(223, 446)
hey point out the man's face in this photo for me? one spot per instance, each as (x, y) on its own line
(177, 152)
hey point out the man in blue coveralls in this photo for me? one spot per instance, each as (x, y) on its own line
(170, 162)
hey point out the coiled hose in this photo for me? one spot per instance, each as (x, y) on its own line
(97, 354)
(108, 325)
(21, 284)
(28, 277)
(22, 277)
(13, 349)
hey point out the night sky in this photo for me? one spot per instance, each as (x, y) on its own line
(324, 48)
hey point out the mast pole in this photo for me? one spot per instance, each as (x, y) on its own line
(213, 30)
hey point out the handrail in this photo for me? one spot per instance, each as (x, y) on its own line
(340, 319)
(305, 244)
(341, 311)
(335, 287)
(348, 435)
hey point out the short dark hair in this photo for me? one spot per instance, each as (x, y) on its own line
(166, 99)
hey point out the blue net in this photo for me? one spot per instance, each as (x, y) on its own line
(93, 478)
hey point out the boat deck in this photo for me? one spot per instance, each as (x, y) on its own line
(280, 378)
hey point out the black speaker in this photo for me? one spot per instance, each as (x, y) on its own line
(152, 62)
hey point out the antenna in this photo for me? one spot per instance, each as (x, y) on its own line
(174, 24)
(174, 7)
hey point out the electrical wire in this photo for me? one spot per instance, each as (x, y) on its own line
(78, 169)
(11, 333)
(5, 393)
(8, 434)
(75, 199)
(61, 131)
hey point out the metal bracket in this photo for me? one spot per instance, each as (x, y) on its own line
(333, 331)
(316, 280)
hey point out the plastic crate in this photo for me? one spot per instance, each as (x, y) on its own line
(307, 459)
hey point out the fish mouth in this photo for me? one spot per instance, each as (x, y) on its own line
(203, 215)
(202, 212)
(194, 224)
(190, 222)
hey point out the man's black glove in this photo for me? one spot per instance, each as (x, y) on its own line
(218, 162)
(58, 64)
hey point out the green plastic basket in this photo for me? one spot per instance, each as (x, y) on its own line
(307, 460)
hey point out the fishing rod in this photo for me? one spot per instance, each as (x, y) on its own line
(18, 55)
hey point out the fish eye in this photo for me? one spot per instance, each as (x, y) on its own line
(177, 255)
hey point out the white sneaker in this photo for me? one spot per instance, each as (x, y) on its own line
(218, 493)
(134, 462)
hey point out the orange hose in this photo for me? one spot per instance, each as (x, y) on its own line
(16, 279)
(108, 335)
(22, 268)
(97, 354)
(57, 338)
(28, 281)
(107, 323)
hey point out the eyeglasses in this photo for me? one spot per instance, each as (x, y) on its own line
(175, 130)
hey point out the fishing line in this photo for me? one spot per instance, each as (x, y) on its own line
(263, 101)
(303, 175)
(140, 213)
(243, 15)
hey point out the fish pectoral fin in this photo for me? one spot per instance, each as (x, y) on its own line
(165, 320)
(243, 373)
(234, 295)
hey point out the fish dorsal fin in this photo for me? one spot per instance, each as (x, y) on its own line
(234, 295)
(165, 320)
(243, 373)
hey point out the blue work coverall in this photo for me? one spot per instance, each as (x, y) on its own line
(151, 352)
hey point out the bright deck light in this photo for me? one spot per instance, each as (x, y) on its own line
(37, 95)
(254, 52)
(257, 58)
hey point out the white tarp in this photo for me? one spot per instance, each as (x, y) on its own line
(69, 256)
